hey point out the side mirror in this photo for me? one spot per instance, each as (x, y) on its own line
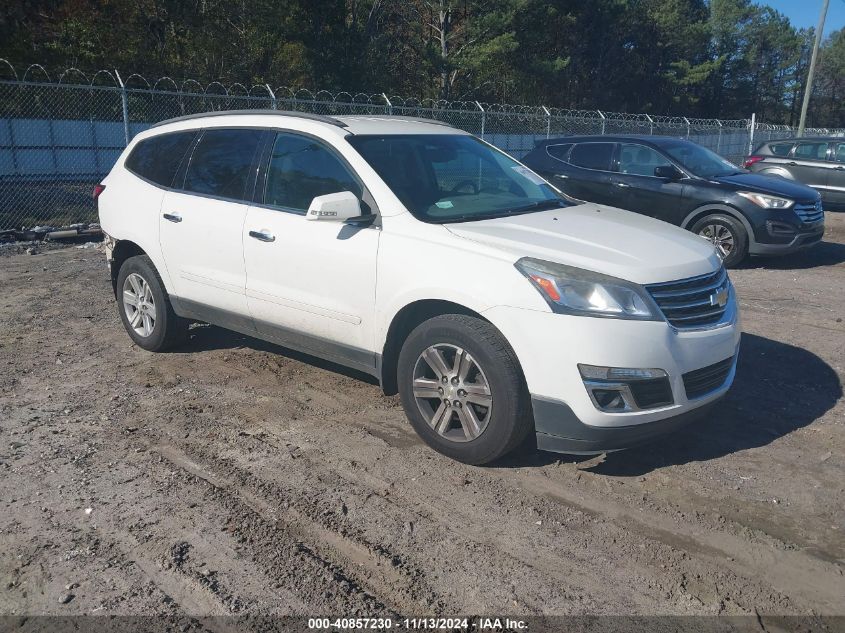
(669, 172)
(343, 206)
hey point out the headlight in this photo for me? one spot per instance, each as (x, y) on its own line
(570, 290)
(767, 202)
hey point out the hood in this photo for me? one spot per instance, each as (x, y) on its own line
(775, 185)
(600, 239)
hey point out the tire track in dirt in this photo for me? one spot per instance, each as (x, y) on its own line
(558, 570)
(714, 551)
(245, 414)
(353, 561)
(781, 566)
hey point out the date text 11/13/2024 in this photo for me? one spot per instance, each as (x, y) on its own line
(417, 624)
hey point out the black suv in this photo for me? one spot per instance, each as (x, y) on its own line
(688, 185)
(818, 162)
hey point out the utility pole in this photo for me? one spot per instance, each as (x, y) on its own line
(808, 89)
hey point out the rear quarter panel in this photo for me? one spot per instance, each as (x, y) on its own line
(129, 210)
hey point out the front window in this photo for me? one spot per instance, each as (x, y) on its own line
(444, 178)
(301, 169)
(639, 160)
(699, 160)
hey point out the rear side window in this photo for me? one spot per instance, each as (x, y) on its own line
(811, 151)
(158, 158)
(220, 164)
(780, 149)
(561, 152)
(301, 169)
(592, 155)
(839, 152)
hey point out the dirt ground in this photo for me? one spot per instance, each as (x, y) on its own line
(235, 477)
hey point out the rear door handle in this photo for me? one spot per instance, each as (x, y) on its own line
(172, 217)
(840, 167)
(792, 163)
(621, 184)
(263, 236)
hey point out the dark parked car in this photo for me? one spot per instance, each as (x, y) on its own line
(687, 185)
(817, 162)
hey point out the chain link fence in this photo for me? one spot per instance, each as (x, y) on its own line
(58, 138)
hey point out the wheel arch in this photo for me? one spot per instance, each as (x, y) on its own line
(725, 209)
(402, 324)
(777, 171)
(123, 250)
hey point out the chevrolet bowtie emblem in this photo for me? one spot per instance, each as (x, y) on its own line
(719, 298)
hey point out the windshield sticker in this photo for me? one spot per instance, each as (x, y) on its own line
(444, 204)
(524, 171)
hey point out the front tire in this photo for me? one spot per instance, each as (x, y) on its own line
(145, 308)
(462, 389)
(727, 235)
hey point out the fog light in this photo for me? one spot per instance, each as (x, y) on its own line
(624, 389)
(609, 399)
(779, 228)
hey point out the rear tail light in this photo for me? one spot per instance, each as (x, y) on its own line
(98, 189)
(751, 160)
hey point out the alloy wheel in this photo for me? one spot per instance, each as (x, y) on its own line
(720, 236)
(452, 392)
(139, 305)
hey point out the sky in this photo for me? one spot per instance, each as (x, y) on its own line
(804, 13)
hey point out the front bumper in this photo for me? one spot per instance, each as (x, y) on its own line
(799, 241)
(550, 346)
(572, 436)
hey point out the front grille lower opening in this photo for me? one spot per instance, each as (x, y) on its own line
(700, 382)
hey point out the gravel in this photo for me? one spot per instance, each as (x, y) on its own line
(306, 491)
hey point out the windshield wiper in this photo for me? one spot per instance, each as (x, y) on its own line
(537, 206)
(534, 206)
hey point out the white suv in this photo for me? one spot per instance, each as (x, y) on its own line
(493, 304)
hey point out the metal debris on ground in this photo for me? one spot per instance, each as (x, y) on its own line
(71, 232)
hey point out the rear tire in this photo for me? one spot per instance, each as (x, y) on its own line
(462, 389)
(727, 235)
(145, 309)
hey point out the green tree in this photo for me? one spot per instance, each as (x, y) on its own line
(828, 99)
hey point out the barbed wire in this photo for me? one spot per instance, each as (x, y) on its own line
(61, 133)
(192, 88)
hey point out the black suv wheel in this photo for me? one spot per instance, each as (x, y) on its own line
(727, 234)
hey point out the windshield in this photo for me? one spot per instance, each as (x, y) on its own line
(454, 178)
(699, 160)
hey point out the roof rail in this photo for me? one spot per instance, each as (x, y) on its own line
(289, 113)
(397, 117)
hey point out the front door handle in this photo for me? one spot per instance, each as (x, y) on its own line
(263, 236)
(172, 217)
(840, 167)
(621, 184)
(792, 163)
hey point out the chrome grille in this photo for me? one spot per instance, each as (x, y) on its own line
(692, 303)
(810, 213)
